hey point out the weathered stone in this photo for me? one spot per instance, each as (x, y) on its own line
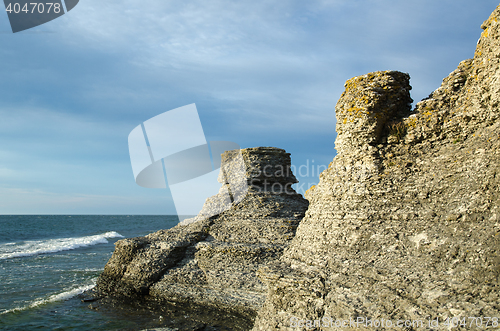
(367, 104)
(262, 169)
(404, 222)
(213, 261)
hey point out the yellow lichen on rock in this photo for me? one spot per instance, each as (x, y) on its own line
(368, 102)
(309, 192)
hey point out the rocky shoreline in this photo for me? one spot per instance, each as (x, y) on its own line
(213, 261)
(404, 224)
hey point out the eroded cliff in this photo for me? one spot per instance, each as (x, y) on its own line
(405, 222)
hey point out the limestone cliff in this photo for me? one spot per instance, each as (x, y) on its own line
(403, 225)
(213, 261)
(405, 222)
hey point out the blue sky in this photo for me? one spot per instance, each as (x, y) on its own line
(262, 73)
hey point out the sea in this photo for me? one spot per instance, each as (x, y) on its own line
(47, 262)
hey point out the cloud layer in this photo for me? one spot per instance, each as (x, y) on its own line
(262, 73)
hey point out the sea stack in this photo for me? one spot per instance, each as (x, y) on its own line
(213, 261)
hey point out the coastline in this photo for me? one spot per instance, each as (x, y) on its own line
(403, 223)
(63, 256)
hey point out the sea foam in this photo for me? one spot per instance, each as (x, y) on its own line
(36, 247)
(66, 295)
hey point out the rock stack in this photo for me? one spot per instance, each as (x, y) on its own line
(213, 261)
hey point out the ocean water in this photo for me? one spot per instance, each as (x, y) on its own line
(47, 262)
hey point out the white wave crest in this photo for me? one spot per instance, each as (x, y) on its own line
(68, 294)
(36, 247)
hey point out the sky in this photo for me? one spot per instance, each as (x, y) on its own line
(261, 73)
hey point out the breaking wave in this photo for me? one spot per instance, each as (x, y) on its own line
(70, 293)
(36, 247)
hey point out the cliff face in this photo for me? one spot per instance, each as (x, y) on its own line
(213, 261)
(405, 222)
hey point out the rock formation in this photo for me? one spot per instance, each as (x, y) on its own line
(212, 261)
(405, 222)
(403, 225)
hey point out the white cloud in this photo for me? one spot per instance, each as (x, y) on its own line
(261, 72)
(252, 52)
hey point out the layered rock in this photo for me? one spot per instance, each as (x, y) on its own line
(405, 223)
(212, 261)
